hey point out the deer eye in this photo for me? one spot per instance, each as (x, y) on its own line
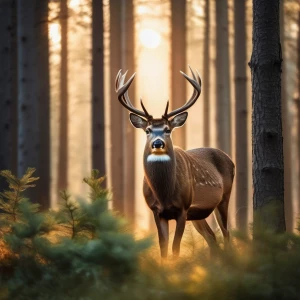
(168, 131)
(147, 131)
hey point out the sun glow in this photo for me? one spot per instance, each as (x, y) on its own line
(54, 33)
(141, 10)
(150, 38)
(74, 3)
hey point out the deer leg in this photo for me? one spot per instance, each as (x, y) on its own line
(204, 229)
(222, 215)
(180, 226)
(163, 234)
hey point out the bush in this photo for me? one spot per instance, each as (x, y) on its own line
(84, 251)
(82, 247)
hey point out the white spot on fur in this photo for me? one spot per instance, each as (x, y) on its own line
(161, 157)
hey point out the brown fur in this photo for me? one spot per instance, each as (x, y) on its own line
(189, 186)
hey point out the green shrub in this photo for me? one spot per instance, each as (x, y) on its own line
(84, 251)
(82, 247)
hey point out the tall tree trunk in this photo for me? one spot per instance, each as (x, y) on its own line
(298, 105)
(129, 146)
(206, 80)
(222, 78)
(116, 109)
(43, 98)
(286, 131)
(268, 169)
(98, 130)
(63, 122)
(28, 131)
(178, 62)
(241, 115)
(33, 94)
(8, 88)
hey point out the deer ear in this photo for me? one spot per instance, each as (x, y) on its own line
(179, 120)
(137, 121)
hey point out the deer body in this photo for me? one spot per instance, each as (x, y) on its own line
(181, 185)
(189, 181)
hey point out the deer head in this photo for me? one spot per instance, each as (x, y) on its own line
(159, 143)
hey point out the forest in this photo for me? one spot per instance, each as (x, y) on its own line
(74, 223)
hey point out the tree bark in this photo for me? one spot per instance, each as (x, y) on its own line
(222, 78)
(28, 131)
(33, 95)
(62, 177)
(241, 115)
(178, 62)
(129, 137)
(267, 167)
(286, 130)
(206, 80)
(98, 130)
(116, 110)
(43, 98)
(8, 89)
(298, 105)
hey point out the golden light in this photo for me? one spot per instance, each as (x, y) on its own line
(74, 3)
(141, 10)
(294, 30)
(54, 33)
(150, 38)
(198, 9)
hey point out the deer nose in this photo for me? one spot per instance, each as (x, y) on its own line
(158, 144)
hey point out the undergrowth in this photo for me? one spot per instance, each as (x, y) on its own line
(81, 248)
(85, 251)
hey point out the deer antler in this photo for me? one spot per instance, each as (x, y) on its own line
(196, 83)
(122, 91)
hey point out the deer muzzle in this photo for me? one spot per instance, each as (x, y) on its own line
(158, 144)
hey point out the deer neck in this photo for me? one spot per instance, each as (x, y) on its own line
(160, 174)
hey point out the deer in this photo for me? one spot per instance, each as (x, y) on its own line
(180, 185)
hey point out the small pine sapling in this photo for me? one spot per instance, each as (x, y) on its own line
(12, 199)
(69, 215)
(96, 190)
(78, 218)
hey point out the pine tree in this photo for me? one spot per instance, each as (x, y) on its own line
(8, 87)
(62, 178)
(206, 82)
(178, 63)
(116, 110)
(268, 170)
(10, 200)
(241, 115)
(33, 94)
(223, 119)
(98, 132)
